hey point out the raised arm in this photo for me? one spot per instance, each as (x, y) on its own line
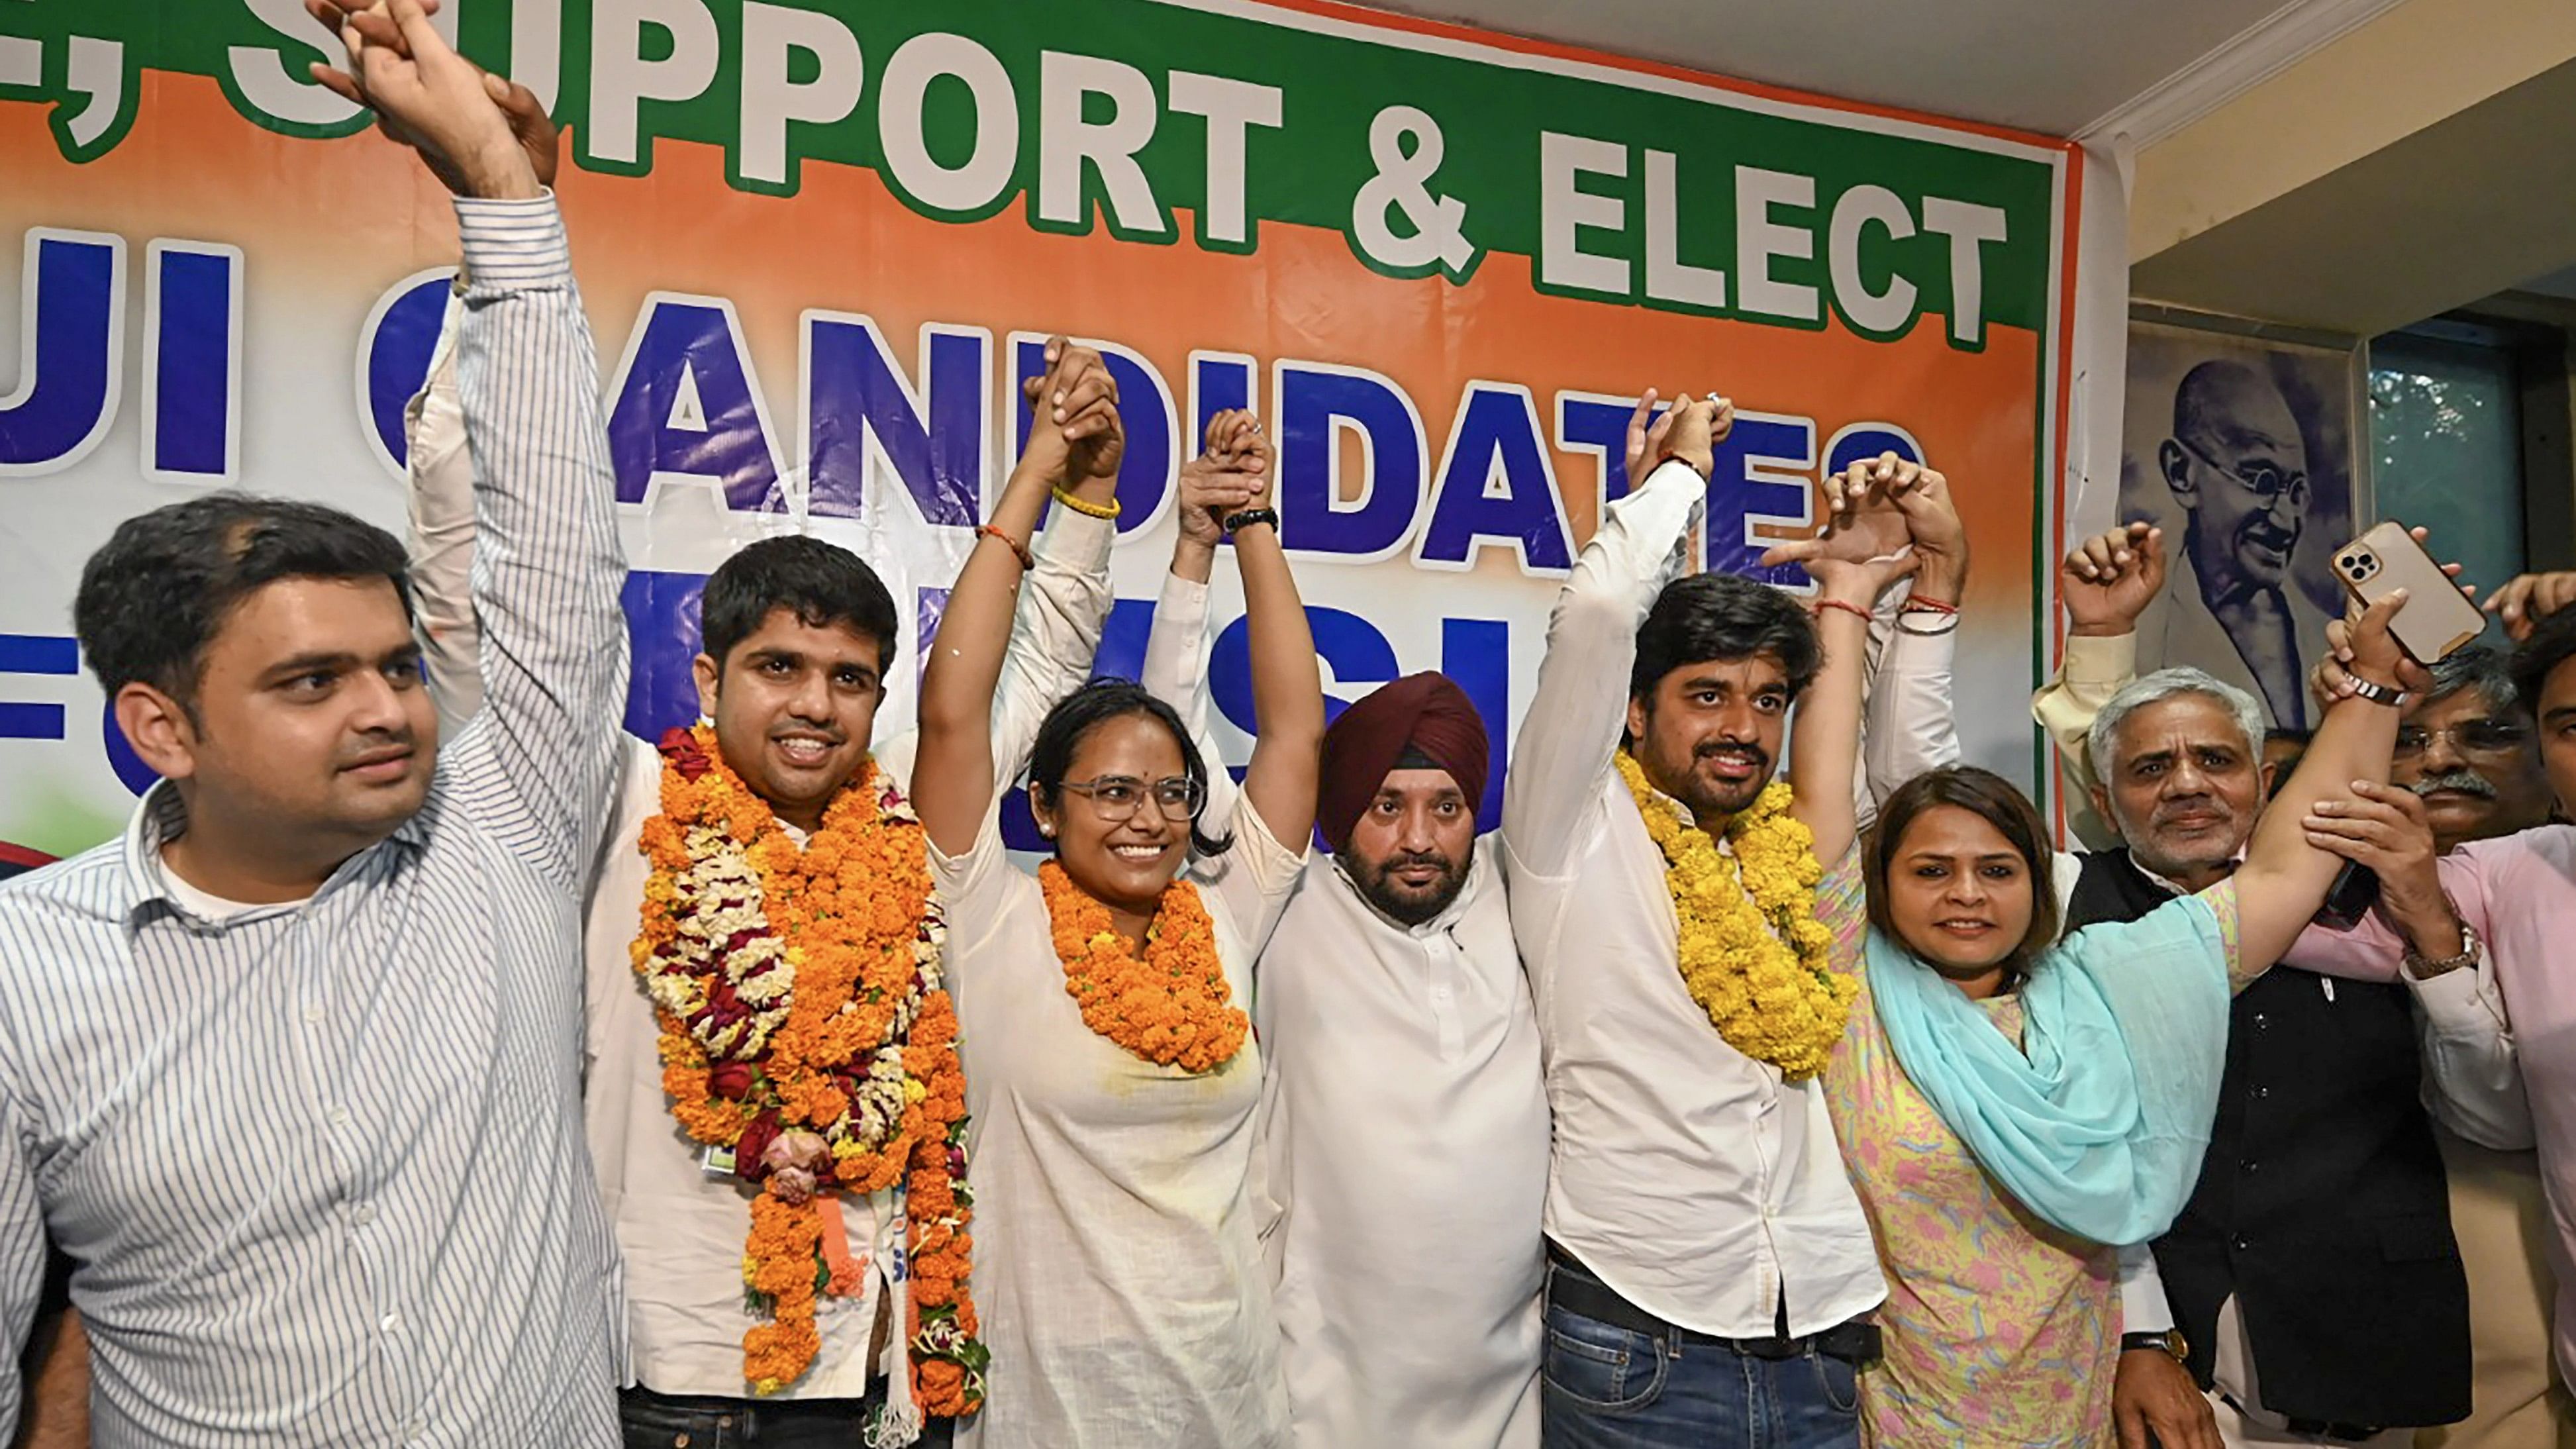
(1576, 717)
(1863, 550)
(1077, 447)
(547, 570)
(1175, 670)
(440, 536)
(2286, 874)
(2105, 582)
(1287, 684)
(1910, 722)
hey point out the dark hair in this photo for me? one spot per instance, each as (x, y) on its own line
(1993, 799)
(2283, 735)
(152, 598)
(1721, 616)
(2480, 667)
(2552, 643)
(1096, 704)
(822, 584)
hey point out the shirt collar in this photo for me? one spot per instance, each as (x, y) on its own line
(2175, 888)
(162, 816)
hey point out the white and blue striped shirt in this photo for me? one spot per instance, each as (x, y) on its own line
(322, 1165)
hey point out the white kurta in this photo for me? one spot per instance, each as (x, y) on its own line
(1403, 1168)
(1117, 1271)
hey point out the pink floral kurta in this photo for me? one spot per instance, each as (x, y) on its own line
(2000, 1329)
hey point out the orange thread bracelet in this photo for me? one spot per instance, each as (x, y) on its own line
(1018, 549)
(1855, 610)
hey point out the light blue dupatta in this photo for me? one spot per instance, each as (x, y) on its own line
(2098, 1121)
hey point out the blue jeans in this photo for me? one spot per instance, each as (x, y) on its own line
(1607, 1387)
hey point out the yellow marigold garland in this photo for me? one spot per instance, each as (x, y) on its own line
(1752, 952)
(798, 989)
(1172, 1008)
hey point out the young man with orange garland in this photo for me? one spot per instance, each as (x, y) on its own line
(1710, 1271)
(761, 876)
(785, 999)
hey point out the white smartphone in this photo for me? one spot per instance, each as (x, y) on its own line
(2436, 618)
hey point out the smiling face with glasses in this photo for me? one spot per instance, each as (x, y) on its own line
(2238, 463)
(1120, 818)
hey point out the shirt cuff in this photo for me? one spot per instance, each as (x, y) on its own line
(1913, 654)
(1076, 539)
(1184, 602)
(2452, 999)
(513, 246)
(2100, 659)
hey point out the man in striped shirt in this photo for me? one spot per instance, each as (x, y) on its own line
(292, 1070)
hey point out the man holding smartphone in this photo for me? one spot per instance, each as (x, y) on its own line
(2319, 1228)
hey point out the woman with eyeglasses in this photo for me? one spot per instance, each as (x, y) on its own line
(1111, 1076)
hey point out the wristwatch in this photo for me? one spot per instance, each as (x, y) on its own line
(2376, 693)
(2170, 1341)
(2423, 970)
(1238, 522)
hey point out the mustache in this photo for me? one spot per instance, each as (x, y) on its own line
(2467, 782)
(831, 733)
(1432, 858)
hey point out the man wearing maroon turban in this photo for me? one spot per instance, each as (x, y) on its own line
(1402, 1169)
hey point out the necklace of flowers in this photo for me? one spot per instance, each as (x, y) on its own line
(1173, 1006)
(1752, 952)
(804, 1025)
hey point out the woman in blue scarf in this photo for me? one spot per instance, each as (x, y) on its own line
(2013, 1108)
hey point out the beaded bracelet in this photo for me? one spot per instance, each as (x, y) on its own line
(1018, 549)
(1086, 507)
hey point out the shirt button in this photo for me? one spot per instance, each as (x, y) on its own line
(339, 1116)
(2250, 1165)
(364, 1214)
(2262, 1021)
(390, 1323)
(313, 1013)
(2241, 1243)
(2262, 1092)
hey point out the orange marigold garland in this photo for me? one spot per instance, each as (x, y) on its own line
(1173, 1007)
(799, 996)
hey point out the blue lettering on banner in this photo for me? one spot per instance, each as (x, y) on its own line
(1869, 440)
(686, 403)
(1496, 487)
(35, 654)
(1316, 403)
(662, 640)
(72, 360)
(1599, 425)
(1761, 478)
(864, 411)
(398, 352)
(1476, 654)
(192, 409)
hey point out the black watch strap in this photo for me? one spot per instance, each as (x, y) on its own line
(1238, 522)
(2166, 1341)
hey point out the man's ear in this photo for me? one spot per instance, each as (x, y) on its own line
(2100, 795)
(159, 730)
(2175, 463)
(2271, 777)
(1638, 714)
(705, 670)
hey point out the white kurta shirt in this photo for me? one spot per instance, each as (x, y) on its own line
(1691, 1178)
(1117, 1272)
(680, 1229)
(1404, 1164)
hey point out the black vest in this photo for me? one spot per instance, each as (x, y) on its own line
(2321, 1205)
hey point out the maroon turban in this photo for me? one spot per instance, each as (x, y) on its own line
(1421, 712)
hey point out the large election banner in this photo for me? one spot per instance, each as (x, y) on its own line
(820, 242)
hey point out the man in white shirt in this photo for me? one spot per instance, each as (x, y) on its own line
(1710, 1269)
(799, 634)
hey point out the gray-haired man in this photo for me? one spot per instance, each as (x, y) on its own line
(2319, 1229)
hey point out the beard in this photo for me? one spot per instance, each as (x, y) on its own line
(1400, 900)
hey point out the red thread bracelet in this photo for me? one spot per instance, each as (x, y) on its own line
(1855, 610)
(1018, 549)
(1929, 606)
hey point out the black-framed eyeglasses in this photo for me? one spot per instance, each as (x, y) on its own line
(2264, 480)
(2470, 737)
(1117, 798)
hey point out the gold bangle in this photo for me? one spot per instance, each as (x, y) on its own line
(1084, 506)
